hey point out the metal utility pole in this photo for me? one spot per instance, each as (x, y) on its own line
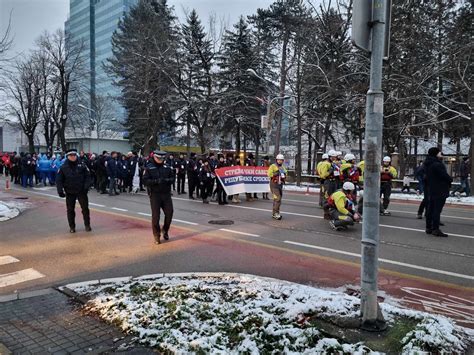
(372, 318)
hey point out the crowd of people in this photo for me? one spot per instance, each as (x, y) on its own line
(341, 180)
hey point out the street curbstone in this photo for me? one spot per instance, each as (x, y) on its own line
(8, 298)
(25, 295)
(115, 280)
(150, 276)
(82, 284)
(4, 350)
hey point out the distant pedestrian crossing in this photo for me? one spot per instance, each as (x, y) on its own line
(16, 277)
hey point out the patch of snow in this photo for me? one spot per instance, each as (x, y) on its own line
(247, 314)
(7, 212)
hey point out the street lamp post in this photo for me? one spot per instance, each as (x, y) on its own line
(90, 118)
(269, 105)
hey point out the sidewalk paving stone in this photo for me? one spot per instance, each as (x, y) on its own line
(53, 323)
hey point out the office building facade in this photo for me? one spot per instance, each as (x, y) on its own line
(93, 22)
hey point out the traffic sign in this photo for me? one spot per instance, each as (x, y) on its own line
(362, 11)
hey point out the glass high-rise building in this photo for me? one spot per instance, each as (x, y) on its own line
(93, 22)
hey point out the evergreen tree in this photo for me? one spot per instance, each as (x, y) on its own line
(196, 81)
(144, 48)
(239, 89)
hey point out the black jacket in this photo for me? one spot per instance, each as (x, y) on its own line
(28, 166)
(180, 166)
(113, 168)
(158, 178)
(73, 178)
(438, 181)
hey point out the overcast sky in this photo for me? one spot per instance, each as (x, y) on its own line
(32, 17)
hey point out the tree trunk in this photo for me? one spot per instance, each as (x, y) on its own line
(237, 139)
(310, 152)
(188, 135)
(202, 140)
(415, 163)
(62, 135)
(283, 71)
(31, 143)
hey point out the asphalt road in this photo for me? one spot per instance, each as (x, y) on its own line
(121, 243)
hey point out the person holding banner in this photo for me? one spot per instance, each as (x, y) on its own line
(221, 195)
(277, 174)
(266, 164)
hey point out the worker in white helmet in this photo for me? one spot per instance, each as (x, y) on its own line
(330, 172)
(277, 174)
(342, 208)
(387, 174)
(326, 163)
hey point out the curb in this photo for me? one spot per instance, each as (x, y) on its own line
(24, 295)
(4, 350)
(68, 289)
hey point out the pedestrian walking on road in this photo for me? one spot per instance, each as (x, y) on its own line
(180, 168)
(113, 170)
(277, 174)
(387, 174)
(158, 178)
(437, 185)
(73, 182)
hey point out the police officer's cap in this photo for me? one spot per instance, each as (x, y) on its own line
(159, 154)
(71, 152)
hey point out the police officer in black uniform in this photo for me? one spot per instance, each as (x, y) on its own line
(158, 178)
(73, 182)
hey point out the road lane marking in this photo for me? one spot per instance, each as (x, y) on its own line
(119, 209)
(302, 215)
(7, 259)
(387, 261)
(406, 212)
(19, 276)
(290, 213)
(95, 204)
(185, 222)
(423, 231)
(321, 257)
(174, 219)
(443, 215)
(241, 233)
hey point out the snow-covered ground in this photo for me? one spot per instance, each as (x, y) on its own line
(11, 209)
(7, 212)
(231, 313)
(395, 195)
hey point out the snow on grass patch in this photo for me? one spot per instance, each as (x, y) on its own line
(452, 200)
(243, 314)
(7, 212)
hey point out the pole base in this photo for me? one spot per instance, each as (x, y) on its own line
(377, 326)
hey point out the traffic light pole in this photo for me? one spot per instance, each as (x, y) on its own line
(372, 318)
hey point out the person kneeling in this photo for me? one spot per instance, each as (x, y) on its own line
(341, 208)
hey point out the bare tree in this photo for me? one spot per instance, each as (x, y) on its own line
(67, 59)
(49, 100)
(25, 90)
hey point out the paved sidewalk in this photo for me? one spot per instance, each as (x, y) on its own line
(53, 323)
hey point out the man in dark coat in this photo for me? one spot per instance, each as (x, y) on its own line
(180, 168)
(158, 178)
(193, 172)
(438, 182)
(113, 169)
(73, 181)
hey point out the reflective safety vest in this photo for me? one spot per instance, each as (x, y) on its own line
(341, 202)
(388, 173)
